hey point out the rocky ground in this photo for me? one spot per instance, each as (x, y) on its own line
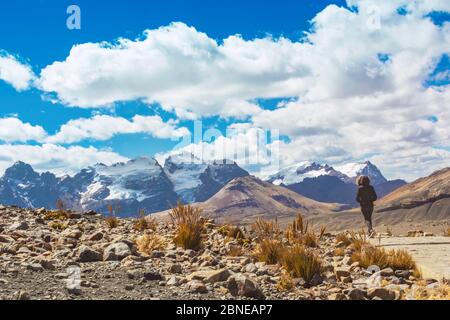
(81, 257)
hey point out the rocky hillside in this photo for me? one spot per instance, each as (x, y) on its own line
(50, 255)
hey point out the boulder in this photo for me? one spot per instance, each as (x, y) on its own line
(116, 252)
(241, 286)
(86, 254)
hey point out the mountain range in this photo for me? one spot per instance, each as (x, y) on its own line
(332, 185)
(128, 187)
(143, 183)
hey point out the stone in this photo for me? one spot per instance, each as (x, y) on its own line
(387, 272)
(116, 252)
(218, 276)
(382, 293)
(152, 275)
(337, 296)
(250, 268)
(175, 268)
(357, 294)
(36, 267)
(22, 225)
(402, 273)
(342, 273)
(86, 254)
(196, 286)
(97, 236)
(241, 286)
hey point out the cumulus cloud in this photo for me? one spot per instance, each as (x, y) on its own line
(104, 127)
(14, 130)
(57, 159)
(15, 73)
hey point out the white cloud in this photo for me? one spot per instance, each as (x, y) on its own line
(104, 127)
(351, 104)
(57, 159)
(180, 68)
(14, 130)
(14, 72)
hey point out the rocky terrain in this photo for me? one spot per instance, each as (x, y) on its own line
(68, 255)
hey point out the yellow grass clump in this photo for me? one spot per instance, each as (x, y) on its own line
(266, 228)
(148, 243)
(301, 263)
(190, 226)
(270, 251)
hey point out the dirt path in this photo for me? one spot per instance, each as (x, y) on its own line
(432, 254)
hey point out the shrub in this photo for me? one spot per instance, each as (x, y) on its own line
(266, 229)
(112, 222)
(358, 240)
(270, 251)
(190, 226)
(421, 292)
(148, 243)
(143, 223)
(342, 237)
(447, 232)
(233, 232)
(401, 260)
(371, 256)
(58, 225)
(310, 240)
(296, 229)
(285, 283)
(339, 252)
(56, 215)
(300, 262)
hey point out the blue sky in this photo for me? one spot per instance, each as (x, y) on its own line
(333, 69)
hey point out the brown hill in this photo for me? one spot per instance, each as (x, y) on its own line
(243, 200)
(246, 199)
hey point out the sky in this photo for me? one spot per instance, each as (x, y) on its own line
(265, 83)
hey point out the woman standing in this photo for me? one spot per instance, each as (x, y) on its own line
(366, 197)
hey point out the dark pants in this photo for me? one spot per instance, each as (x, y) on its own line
(367, 212)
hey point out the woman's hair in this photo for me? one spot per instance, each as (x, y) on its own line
(363, 181)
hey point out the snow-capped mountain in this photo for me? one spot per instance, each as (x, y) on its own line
(299, 172)
(137, 184)
(353, 170)
(195, 180)
(332, 184)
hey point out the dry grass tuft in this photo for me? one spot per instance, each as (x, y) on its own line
(266, 229)
(342, 237)
(401, 260)
(301, 263)
(421, 292)
(143, 223)
(447, 232)
(297, 229)
(190, 226)
(339, 252)
(358, 240)
(58, 225)
(56, 215)
(371, 256)
(270, 251)
(148, 243)
(286, 283)
(112, 222)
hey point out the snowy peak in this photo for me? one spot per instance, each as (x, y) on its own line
(299, 172)
(354, 170)
(195, 180)
(21, 171)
